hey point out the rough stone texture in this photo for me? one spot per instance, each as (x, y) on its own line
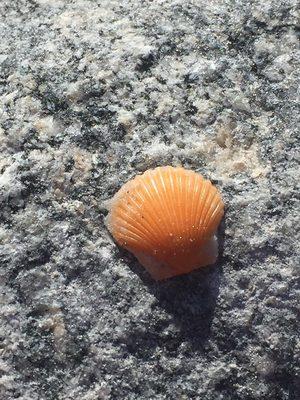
(94, 92)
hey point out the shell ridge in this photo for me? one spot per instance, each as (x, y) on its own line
(146, 225)
(211, 203)
(195, 189)
(130, 228)
(150, 224)
(166, 199)
(179, 207)
(153, 219)
(205, 210)
(198, 209)
(155, 210)
(166, 202)
(126, 217)
(161, 200)
(129, 235)
(188, 216)
(215, 208)
(181, 182)
(173, 202)
(170, 195)
(218, 214)
(202, 206)
(131, 239)
(207, 207)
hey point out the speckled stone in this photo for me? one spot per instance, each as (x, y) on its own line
(94, 92)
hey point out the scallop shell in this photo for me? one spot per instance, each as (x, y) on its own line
(167, 218)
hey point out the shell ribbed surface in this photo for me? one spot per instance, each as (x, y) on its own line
(167, 214)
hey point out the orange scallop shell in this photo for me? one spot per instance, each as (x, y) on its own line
(167, 218)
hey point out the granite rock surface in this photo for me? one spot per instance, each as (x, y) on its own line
(94, 92)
